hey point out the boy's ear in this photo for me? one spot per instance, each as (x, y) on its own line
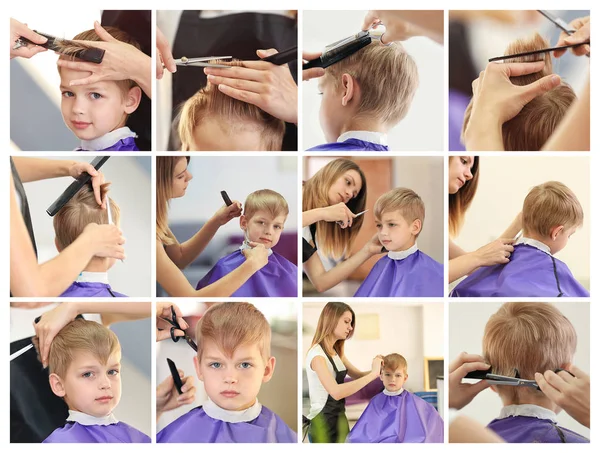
(243, 222)
(416, 226)
(269, 369)
(197, 367)
(555, 231)
(57, 386)
(132, 100)
(349, 89)
(56, 245)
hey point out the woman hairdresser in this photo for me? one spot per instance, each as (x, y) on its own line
(52, 278)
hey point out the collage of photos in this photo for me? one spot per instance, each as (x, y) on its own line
(274, 294)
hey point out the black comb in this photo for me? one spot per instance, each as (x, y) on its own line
(339, 53)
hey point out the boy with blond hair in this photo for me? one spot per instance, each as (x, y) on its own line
(84, 363)
(69, 223)
(233, 361)
(396, 415)
(551, 214)
(525, 338)
(405, 271)
(364, 96)
(265, 213)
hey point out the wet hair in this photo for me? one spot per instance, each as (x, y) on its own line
(459, 202)
(394, 361)
(328, 321)
(165, 173)
(265, 200)
(401, 199)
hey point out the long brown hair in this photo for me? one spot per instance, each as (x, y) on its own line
(165, 168)
(328, 320)
(333, 240)
(459, 202)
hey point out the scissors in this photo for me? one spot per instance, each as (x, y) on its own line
(497, 379)
(340, 223)
(557, 21)
(176, 325)
(91, 54)
(201, 62)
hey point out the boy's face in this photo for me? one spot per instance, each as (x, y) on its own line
(394, 232)
(91, 111)
(89, 386)
(263, 228)
(345, 188)
(393, 380)
(331, 113)
(560, 239)
(181, 178)
(233, 383)
(213, 134)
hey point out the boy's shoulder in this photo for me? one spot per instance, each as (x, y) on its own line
(523, 429)
(73, 432)
(352, 144)
(90, 289)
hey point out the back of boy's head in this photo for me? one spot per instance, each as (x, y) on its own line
(394, 361)
(401, 199)
(535, 123)
(232, 324)
(231, 114)
(549, 205)
(387, 77)
(265, 200)
(79, 336)
(80, 211)
(529, 337)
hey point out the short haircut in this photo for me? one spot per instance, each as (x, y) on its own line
(68, 48)
(401, 199)
(549, 205)
(79, 335)
(529, 337)
(265, 200)
(232, 115)
(232, 324)
(535, 123)
(394, 361)
(80, 211)
(387, 76)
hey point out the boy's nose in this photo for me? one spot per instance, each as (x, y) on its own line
(230, 379)
(104, 383)
(78, 106)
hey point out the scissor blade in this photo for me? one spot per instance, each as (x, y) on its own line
(20, 352)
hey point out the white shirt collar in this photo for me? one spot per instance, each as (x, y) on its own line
(534, 243)
(367, 136)
(90, 420)
(245, 246)
(218, 413)
(396, 393)
(528, 410)
(107, 140)
(93, 277)
(403, 253)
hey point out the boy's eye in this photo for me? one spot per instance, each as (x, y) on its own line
(245, 365)
(378, 225)
(391, 225)
(95, 95)
(113, 372)
(87, 374)
(215, 365)
(67, 94)
(278, 227)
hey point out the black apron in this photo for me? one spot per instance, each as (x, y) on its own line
(239, 35)
(24, 204)
(331, 424)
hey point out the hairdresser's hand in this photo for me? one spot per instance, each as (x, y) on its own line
(338, 213)
(227, 213)
(167, 396)
(106, 241)
(374, 246)
(77, 168)
(582, 25)
(257, 256)
(163, 55)
(311, 73)
(496, 252)
(402, 25)
(570, 393)
(17, 30)
(163, 328)
(459, 394)
(496, 100)
(376, 365)
(265, 85)
(121, 61)
(51, 323)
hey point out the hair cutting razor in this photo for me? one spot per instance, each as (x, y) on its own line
(175, 374)
(91, 54)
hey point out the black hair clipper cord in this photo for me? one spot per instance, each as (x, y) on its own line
(175, 374)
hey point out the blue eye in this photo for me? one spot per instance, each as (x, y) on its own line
(87, 374)
(245, 365)
(392, 225)
(68, 94)
(113, 372)
(215, 365)
(95, 96)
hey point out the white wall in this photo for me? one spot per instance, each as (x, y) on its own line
(467, 323)
(422, 129)
(505, 181)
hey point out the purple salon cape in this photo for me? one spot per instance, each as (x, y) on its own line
(125, 144)
(417, 275)
(74, 432)
(196, 426)
(279, 278)
(90, 289)
(521, 429)
(398, 419)
(530, 273)
(352, 144)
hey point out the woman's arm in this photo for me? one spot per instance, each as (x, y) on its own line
(335, 213)
(454, 251)
(496, 252)
(514, 228)
(34, 169)
(339, 391)
(354, 372)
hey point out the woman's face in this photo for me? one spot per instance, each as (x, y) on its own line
(344, 326)
(459, 172)
(345, 188)
(181, 178)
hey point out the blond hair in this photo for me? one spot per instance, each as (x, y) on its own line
(387, 77)
(165, 171)
(80, 211)
(401, 199)
(232, 324)
(328, 321)
(535, 123)
(549, 205)
(459, 202)
(527, 337)
(79, 336)
(265, 200)
(394, 361)
(233, 115)
(333, 240)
